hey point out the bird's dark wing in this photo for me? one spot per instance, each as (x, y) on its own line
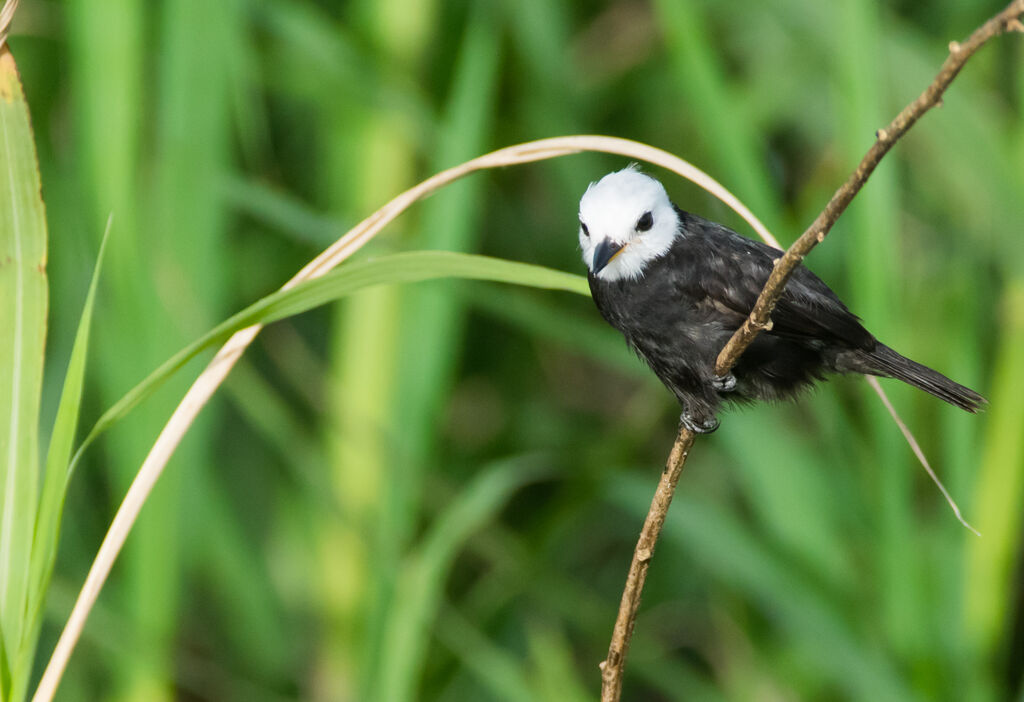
(730, 271)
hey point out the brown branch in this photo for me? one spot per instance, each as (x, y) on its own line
(760, 316)
(760, 319)
(613, 665)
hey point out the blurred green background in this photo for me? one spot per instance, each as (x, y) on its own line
(432, 492)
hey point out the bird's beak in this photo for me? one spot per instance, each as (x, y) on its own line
(604, 253)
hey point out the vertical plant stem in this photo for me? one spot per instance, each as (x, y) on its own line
(871, 223)
(612, 667)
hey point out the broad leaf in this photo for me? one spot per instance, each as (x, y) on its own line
(23, 302)
(55, 480)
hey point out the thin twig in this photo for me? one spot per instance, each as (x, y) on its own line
(885, 138)
(760, 319)
(215, 373)
(613, 666)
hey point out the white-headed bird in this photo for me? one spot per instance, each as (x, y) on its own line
(677, 286)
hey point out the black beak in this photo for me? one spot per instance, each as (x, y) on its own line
(604, 253)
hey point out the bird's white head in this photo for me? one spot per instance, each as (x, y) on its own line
(626, 221)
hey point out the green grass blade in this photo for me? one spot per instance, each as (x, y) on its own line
(185, 231)
(367, 119)
(58, 456)
(111, 88)
(240, 586)
(586, 334)
(283, 213)
(555, 674)
(873, 235)
(787, 491)
(547, 97)
(419, 591)
(730, 135)
(387, 270)
(991, 561)
(433, 317)
(498, 671)
(5, 671)
(23, 311)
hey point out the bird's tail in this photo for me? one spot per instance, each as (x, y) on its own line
(885, 362)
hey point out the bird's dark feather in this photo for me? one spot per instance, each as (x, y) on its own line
(686, 304)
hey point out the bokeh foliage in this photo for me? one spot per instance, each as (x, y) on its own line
(431, 491)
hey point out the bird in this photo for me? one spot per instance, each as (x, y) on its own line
(677, 286)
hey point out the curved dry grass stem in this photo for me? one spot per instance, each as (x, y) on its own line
(6, 16)
(217, 370)
(916, 448)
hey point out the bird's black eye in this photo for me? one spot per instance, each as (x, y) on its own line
(645, 222)
(586, 232)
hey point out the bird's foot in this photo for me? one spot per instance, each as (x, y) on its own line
(724, 383)
(698, 422)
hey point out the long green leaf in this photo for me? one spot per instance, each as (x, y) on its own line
(5, 671)
(363, 357)
(555, 674)
(23, 309)
(873, 235)
(112, 89)
(189, 153)
(398, 268)
(730, 135)
(419, 591)
(55, 479)
(501, 673)
(432, 319)
(990, 562)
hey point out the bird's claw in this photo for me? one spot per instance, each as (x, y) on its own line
(698, 423)
(724, 383)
